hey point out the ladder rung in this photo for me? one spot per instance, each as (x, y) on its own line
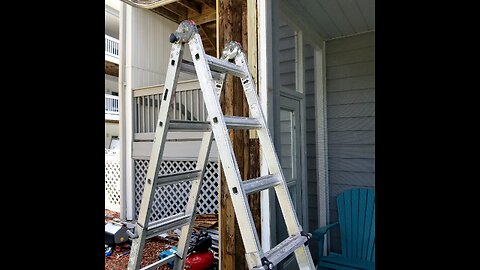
(188, 67)
(159, 263)
(237, 122)
(177, 177)
(163, 225)
(285, 248)
(223, 66)
(183, 125)
(261, 183)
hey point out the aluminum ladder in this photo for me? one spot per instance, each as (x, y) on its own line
(211, 73)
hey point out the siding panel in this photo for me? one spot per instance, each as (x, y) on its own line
(352, 70)
(352, 96)
(350, 118)
(352, 178)
(351, 137)
(352, 151)
(351, 57)
(353, 124)
(351, 110)
(351, 83)
(351, 43)
(351, 164)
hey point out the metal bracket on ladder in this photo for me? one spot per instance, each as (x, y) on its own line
(211, 73)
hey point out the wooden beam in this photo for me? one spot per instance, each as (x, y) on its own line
(178, 9)
(111, 121)
(148, 4)
(209, 3)
(208, 35)
(232, 25)
(193, 6)
(226, 19)
(111, 69)
(167, 14)
(212, 26)
(251, 36)
(205, 17)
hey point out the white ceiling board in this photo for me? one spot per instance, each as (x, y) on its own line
(295, 15)
(354, 15)
(368, 10)
(333, 18)
(323, 18)
(337, 16)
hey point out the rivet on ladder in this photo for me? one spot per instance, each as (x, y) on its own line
(149, 181)
(160, 123)
(215, 120)
(197, 56)
(173, 62)
(235, 190)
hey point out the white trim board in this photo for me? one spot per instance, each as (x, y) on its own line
(321, 139)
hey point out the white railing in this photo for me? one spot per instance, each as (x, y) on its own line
(111, 49)
(188, 105)
(111, 106)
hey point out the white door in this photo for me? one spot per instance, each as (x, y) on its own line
(289, 153)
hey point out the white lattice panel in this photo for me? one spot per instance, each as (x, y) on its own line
(172, 199)
(112, 182)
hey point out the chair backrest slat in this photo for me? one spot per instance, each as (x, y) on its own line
(356, 215)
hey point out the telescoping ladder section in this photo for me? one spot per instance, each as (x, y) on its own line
(211, 73)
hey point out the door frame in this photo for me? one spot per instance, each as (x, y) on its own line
(300, 163)
(268, 13)
(299, 143)
(300, 97)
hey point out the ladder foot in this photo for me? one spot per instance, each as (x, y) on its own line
(267, 265)
(307, 235)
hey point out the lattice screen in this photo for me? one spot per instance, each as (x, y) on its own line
(172, 199)
(112, 182)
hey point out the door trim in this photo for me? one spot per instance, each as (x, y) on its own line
(300, 97)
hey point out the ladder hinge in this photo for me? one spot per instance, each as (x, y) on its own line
(267, 264)
(308, 235)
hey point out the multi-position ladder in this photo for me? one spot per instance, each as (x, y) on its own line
(211, 73)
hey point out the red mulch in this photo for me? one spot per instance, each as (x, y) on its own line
(153, 247)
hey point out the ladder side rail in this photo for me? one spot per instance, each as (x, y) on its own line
(242, 210)
(183, 242)
(302, 254)
(138, 244)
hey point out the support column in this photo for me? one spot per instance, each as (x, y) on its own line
(232, 24)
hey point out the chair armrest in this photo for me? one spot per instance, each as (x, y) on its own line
(320, 232)
(318, 235)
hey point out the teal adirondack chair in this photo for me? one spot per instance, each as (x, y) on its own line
(356, 217)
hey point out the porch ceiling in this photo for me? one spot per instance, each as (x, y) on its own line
(111, 68)
(202, 12)
(337, 18)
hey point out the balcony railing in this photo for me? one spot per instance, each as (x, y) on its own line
(188, 105)
(111, 49)
(111, 107)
